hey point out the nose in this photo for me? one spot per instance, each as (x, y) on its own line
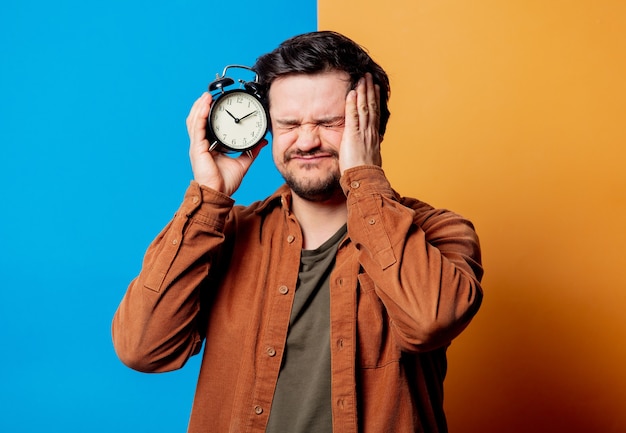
(308, 137)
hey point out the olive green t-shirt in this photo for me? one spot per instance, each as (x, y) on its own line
(302, 400)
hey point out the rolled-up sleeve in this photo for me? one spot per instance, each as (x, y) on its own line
(154, 328)
(425, 263)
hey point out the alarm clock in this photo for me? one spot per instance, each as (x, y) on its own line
(238, 118)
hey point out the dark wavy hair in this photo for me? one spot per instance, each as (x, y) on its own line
(323, 51)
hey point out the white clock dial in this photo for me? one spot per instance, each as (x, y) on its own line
(238, 120)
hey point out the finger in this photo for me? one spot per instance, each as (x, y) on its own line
(373, 100)
(247, 158)
(351, 114)
(196, 121)
(362, 104)
(197, 124)
(254, 152)
(376, 116)
(193, 112)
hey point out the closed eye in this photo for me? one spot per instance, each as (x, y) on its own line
(330, 123)
(287, 125)
(336, 123)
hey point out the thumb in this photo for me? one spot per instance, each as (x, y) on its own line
(246, 158)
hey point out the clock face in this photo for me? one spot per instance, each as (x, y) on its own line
(238, 120)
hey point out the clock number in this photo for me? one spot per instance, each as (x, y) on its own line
(241, 133)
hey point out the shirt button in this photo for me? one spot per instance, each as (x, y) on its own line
(355, 184)
(291, 238)
(174, 242)
(283, 290)
(258, 410)
(372, 221)
(270, 351)
(195, 199)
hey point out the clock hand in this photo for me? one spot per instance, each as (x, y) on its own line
(231, 115)
(249, 114)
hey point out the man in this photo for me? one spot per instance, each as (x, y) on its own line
(328, 306)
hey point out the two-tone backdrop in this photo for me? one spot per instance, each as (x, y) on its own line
(511, 113)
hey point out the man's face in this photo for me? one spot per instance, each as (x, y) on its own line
(308, 115)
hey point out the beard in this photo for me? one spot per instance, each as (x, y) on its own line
(317, 189)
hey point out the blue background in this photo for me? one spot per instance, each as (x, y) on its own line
(93, 164)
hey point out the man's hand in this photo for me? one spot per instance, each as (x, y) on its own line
(360, 144)
(214, 169)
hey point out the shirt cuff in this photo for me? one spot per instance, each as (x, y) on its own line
(206, 205)
(365, 180)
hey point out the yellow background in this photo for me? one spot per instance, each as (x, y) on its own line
(513, 113)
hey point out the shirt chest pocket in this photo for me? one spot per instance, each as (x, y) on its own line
(375, 342)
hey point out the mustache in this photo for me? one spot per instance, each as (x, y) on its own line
(310, 153)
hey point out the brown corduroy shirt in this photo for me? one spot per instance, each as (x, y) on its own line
(405, 283)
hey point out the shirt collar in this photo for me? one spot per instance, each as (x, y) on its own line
(281, 197)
